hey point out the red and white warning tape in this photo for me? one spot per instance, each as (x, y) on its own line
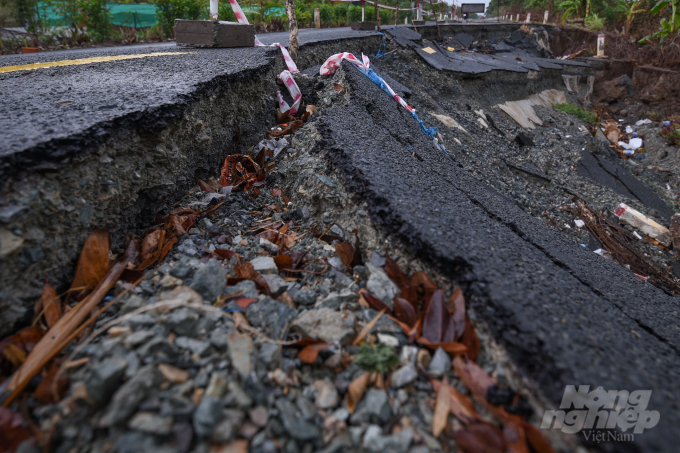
(333, 63)
(286, 76)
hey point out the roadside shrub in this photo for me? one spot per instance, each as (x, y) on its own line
(341, 10)
(594, 22)
(326, 14)
(94, 14)
(386, 16)
(578, 112)
(225, 12)
(354, 14)
(169, 10)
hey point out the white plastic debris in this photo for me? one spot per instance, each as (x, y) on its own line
(579, 223)
(629, 130)
(633, 144)
(645, 121)
(643, 223)
(275, 144)
(603, 253)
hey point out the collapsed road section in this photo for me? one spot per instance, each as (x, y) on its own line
(295, 299)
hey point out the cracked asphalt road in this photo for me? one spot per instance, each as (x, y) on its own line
(566, 315)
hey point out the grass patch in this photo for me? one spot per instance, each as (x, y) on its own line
(578, 112)
(379, 357)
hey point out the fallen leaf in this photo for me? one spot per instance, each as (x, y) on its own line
(474, 377)
(441, 409)
(356, 390)
(224, 254)
(338, 87)
(367, 328)
(44, 391)
(279, 193)
(456, 306)
(309, 353)
(246, 270)
(166, 249)
(66, 328)
(480, 438)
(24, 340)
(346, 253)
(51, 305)
(325, 236)
(536, 439)
(243, 302)
(173, 374)
(515, 439)
(404, 311)
(14, 355)
(153, 257)
(283, 262)
(13, 430)
(374, 302)
(450, 347)
(237, 446)
(395, 273)
(93, 263)
(289, 129)
(461, 407)
(150, 242)
(438, 325)
(471, 341)
(422, 287)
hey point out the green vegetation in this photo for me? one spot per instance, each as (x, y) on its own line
(671, 133)
(379, 357)
(582, 114)
(645, 20)
(83, 21)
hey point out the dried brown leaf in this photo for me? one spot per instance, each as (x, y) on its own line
(441, 408)
(474, 377)
(13, 430)
(395, 273)
(246, 270)
(404, 311)
(346, 253)
(480, 438)
(44, 391)
(93, 263)
(536, 439)
(456, 306)
(438, 325)
(356, 391)
(374, 302)
(471, 341)
(309, 353)
(61, 333)
(51, 305)
(367, 328)
(283, 262)
(515, 439)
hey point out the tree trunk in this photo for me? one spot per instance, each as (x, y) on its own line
(293, 37)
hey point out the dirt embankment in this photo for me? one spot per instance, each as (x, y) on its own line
(632, 77)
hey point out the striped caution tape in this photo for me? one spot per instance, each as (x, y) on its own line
(286, 76)
(333, 63)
